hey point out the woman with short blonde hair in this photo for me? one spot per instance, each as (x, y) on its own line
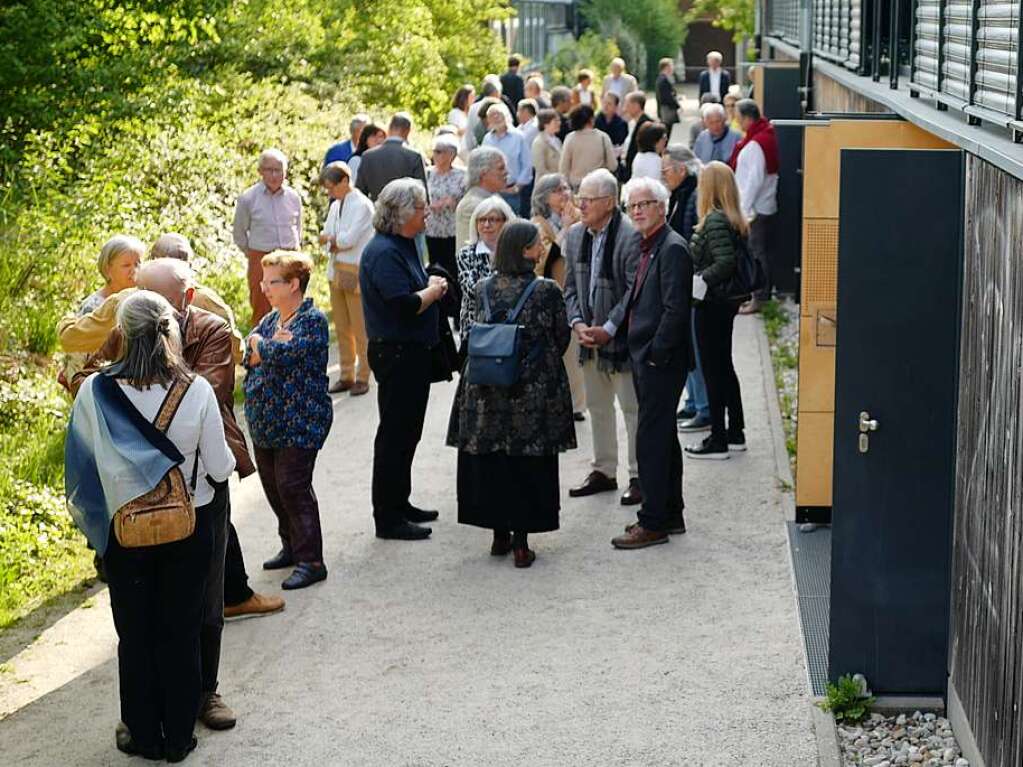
(715, 248)
(289, 411)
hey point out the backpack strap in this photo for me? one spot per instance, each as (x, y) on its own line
(520, 304)
(171, 403)
(487, 317)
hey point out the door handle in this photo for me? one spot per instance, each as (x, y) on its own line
(867, 423)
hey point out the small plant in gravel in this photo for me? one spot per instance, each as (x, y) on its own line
(848, 700)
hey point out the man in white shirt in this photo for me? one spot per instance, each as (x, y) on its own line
(714, 79)
(755, 162)
(619, 82)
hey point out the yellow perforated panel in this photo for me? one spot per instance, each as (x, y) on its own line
(820, 261)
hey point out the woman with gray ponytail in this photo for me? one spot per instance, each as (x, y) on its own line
(115, 454)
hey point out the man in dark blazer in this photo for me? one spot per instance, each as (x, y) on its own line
(635, 111)
(512, 84)
(714, 79)
(667, 102)
(391, 160)
(658, 331)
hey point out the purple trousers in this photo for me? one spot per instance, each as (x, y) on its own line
(287, 477)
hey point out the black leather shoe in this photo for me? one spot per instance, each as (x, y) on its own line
(578, 417)
(306, 574)
(179, 754)
(127, 745)
(597, 482)
(418, 516)
(404, 531)
(633, 496)
(281, 560)
(685, 414)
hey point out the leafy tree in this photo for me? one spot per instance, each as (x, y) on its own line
(658, 24)
(735, 16)
(591, 51)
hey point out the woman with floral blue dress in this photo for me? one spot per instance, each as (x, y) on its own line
(289, 411)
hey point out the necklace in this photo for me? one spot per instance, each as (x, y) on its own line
(283, 322)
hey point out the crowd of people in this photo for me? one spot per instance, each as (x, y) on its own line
(560, 255)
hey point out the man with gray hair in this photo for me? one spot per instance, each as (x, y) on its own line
(717, 140)
(619, 82)
(403, 326)
(714, 79)
(659, 347)
(487, 175)
(755, 161)
(391, 160)
(601, 257)
(343, 150)
(267, 217)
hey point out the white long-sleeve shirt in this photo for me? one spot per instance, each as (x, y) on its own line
(758, 190)
(352, 229)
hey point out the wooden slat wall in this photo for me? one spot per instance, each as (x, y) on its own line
(829, 96)
(987, 604)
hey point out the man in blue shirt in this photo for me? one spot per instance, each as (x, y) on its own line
(402, 325)
(717, 140)
(343, 150)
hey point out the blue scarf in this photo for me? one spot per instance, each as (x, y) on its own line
(112, 455)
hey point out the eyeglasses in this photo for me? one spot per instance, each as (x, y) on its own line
(639, 205)
(268, 283)
(490, 221)
(589, 200)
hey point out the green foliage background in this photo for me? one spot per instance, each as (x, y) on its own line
(644, 30)
(145, 116)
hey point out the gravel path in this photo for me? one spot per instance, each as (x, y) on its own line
(435, 653)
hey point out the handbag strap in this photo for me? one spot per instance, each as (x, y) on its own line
(519, 305)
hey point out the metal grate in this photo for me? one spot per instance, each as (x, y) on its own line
(811, 562)
(820, 261)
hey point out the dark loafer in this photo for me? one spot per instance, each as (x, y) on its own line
(306, 574)
(405, 531)
(633, 496)
(502, 545)
(126, 745)
(281, 560)
(524, 557)
(597, 482)
(418, 516)
(178, 754)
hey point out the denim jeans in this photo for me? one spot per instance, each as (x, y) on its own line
(696, 389)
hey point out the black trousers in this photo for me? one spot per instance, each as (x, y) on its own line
(213, 616)
(761, 246)
(441, 250)
(157, 596)
(236, 579)
(658, 452)
(287, 477)
(714, 322)
(403, 391)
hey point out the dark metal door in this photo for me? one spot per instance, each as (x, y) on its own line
(899, 274)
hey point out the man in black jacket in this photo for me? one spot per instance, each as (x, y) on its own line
(635, 110)
(714, 79)
(659, 346)
(512, 84)
(391, 160)
(667, 104)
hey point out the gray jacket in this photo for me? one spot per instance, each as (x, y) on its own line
(383, 164)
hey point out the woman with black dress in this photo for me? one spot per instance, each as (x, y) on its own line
(509, 438)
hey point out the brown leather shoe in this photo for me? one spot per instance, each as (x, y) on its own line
(502, 544)
(256, 605)
(358, 388)
(215, 714)
(340, 385)
(596, 482)
(524, 557)
(633, 496)
(675, 527)
(638, 537)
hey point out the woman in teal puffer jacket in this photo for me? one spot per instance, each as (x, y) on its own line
(714, 249)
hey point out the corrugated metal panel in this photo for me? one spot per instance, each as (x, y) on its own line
(837, 30)
(855, 33)
(957, 34)
(997, 48)
(925, 63)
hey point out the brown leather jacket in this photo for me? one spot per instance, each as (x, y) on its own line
(207, 346)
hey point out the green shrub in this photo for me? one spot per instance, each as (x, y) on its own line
(591, 51)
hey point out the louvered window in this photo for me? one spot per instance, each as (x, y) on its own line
(997, 48)
(955, 67)
(925, 63)
(837, 28)
(783, 20)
